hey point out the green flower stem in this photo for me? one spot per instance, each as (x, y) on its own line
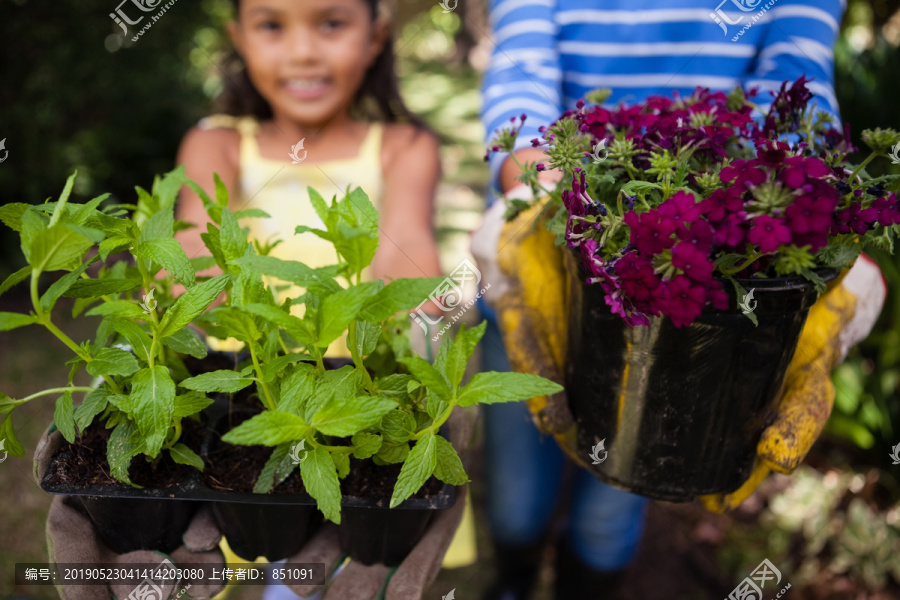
(171, 442)
(270, 404)
(354, 354)
(750, 260)
(515, 159)
(442, 418)
(58, 390)
(862, 165)
(68, 341)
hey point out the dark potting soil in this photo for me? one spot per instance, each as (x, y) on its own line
(365, 480)
(83, 463)
(233, 468)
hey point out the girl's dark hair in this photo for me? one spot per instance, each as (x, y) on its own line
(377, 99)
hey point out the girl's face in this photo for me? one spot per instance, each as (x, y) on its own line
(308, 58)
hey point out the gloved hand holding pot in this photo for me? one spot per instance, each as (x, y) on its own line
(692, 280)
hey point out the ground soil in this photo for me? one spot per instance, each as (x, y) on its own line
(83, 463)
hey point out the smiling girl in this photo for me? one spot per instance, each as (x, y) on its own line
(315, 102)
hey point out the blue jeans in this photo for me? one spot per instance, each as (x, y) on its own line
(524, 475)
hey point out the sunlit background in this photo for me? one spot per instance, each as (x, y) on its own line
(73, 96)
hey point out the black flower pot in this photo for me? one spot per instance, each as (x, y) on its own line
(370, 532)
(681, 410)
(127, 524)
(274, 531)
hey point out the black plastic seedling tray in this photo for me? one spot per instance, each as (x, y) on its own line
(272, 525)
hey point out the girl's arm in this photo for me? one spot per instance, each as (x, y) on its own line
(411, 167)
(204, 152)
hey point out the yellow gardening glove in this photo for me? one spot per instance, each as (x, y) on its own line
(533, 313)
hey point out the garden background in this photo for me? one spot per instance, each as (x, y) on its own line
(74, 97)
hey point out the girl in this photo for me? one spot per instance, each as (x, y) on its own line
(316, 104)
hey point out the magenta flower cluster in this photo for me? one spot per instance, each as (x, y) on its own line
(655, 252)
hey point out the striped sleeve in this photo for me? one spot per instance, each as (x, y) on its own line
(799, 41)
(524, 75)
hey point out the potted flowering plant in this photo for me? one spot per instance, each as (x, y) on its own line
(153, 437)
(699, 237)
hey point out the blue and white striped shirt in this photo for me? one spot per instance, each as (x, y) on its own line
(549, 53)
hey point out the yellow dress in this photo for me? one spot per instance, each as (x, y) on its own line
(280, 189)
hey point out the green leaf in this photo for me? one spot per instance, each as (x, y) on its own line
(473, 336)
(367, 444)
(64, 417)
(124, 444)
(191, 403)
(94, 403)
(185, 456)
(11, 215)
(93, 288)
(217, 381)
(153, 395)
(221, 191)
(357, 246)
(122, 402)
(300, 329)
(14, 279)
(140, 342)
(7, 404)
(455, 365)
(63, 199)
(252, 213)
(118, 308)
(449, 467)
(232, 238)
(416, 470)
(342, 416)
(398, 426)
(191, 305)
(113, 245)
(341, 463)
(239, 324)
(321, 481)
(186, 341)
(297, 388)
(398, 295)
(10, 321)
(160, 225)
(291, 271)
(492, 388)
(430, 377)
(393, 386)
(279, 466)
(58, 248)
(338, 309)
(271, 368)
(60, 286)
(169, 254)
(345, 382)
(637, 186)
(392, 452)
(328, 216)
(112, 361)
(816, 280)
(367, 334)
(269, 428)
(10, 442)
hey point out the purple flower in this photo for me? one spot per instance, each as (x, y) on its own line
(692, 262)
(768, 233)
